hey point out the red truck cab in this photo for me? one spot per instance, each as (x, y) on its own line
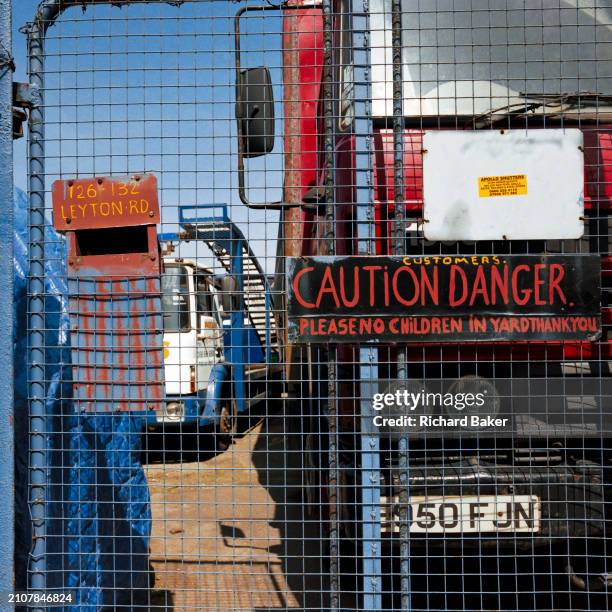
(471, 71)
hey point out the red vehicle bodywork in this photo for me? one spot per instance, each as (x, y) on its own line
(303, 59)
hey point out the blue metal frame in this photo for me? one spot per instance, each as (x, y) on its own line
(237, 346)
(204, 407)
(36, 302)
(7, 485)
(268, 306)
(197, 218)
(212, 407)
(368, 356)
(227, 235)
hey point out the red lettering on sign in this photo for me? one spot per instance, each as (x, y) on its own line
(457, 271)
(499, 283)
(101, 202)
(479, 288)
(415, 282)
(557, 272)
(327, 286)
(296, 287)
(520, 297)
(345, 300)
(371, 270)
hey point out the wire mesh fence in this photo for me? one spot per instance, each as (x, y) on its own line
(260, 237)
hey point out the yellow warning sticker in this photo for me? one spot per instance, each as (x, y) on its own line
(509, 185)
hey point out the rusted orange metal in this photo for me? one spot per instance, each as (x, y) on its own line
(117, 343)
(114, 291)
(100, 202)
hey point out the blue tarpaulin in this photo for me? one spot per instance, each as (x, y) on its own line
(98, 516)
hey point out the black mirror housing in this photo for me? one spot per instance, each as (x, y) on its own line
(255, 111)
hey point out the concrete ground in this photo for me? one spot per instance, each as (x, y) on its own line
(229, 531)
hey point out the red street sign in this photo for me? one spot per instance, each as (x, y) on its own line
(100, 202)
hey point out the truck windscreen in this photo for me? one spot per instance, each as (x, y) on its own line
(175, 289)
(467, 58)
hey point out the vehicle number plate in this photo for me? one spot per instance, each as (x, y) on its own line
(478, 514)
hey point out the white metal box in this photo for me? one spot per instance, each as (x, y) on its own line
(503, 185)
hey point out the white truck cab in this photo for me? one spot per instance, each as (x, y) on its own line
(221, 356)
(193, 329)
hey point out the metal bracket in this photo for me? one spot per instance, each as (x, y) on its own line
(24, 97)
(242, 190)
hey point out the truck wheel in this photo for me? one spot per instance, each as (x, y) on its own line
(227, 426)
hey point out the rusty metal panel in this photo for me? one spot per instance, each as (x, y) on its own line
(131, 251)
(99, 202)
(117, 355)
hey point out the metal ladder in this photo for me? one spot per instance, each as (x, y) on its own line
(254, 292)
(218, 232)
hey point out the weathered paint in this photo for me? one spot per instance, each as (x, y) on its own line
(101, 202)
(36, 306)
(116, 338)
(7, 490)
(121, 262)
(597, 175)
(302, 73)
(114, 295)
(598, 196)
(369, 547)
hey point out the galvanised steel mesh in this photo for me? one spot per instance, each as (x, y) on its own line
(274, 226)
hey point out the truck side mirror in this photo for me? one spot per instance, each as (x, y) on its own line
(255, 111)
(229, 293)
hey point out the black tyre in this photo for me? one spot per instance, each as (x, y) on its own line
(227, 426)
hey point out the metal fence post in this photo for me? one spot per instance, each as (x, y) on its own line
(7, 489)
(36, 314)
(399, 248)
(332, 352)
(368, 355)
